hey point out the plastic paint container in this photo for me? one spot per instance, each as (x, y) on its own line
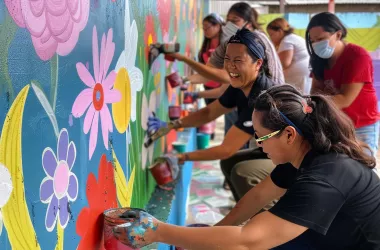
(114, 217)
(161, 172)
(174, 79)
(188, 99)
(180, 147)
(203, 140)
(174, 112)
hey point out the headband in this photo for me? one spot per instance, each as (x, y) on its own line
(249, 39)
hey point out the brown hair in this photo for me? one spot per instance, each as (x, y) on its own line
(326, 128)
(280, 24)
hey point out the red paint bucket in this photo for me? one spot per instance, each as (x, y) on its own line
(188, 99)
(161, 172)
(169, 58)
(174, 112)
(114, 217)
(174, 79)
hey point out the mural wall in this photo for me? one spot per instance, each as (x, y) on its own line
(75, 94)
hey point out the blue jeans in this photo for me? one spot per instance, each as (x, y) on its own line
(370, 135)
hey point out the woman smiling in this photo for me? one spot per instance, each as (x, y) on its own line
(246, 64)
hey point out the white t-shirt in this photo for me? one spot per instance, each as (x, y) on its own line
(298, 73)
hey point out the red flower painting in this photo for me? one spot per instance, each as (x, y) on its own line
(164, 8)
(149, 34)
(101, 195)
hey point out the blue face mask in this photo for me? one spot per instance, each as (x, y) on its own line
(323, 49)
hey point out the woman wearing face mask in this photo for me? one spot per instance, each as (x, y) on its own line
(316, 147)
(344, 71)
(292, 52)
(239, 15)
(246, 64)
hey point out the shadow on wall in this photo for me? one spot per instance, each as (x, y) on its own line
(74, 83)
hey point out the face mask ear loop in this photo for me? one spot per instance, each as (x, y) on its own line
(245, 25)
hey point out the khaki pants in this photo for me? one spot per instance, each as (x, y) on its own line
(245, 170)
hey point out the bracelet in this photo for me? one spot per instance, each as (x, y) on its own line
(186, 157)
(176, 124)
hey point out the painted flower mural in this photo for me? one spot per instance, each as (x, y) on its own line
(164, 8)
(149, 34)
(133, 75)
(101, 195)
(60, 186)
(100, 93)
(6, 188)
(146, 111)
(53, 25)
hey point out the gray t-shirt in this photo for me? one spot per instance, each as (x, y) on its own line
(274, 63)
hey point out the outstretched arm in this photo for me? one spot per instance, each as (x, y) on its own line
(208, 71)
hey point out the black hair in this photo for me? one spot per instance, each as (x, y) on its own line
(246, 37)
(330, 23)
(246, 12)
(326, 128)
(214, 20)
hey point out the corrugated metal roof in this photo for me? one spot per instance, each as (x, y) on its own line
(312, 2)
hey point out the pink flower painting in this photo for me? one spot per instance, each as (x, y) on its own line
(53, 25)
(100, 91)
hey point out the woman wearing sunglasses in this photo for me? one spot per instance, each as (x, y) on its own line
(328, 196)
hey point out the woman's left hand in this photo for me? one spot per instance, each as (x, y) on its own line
(139, 231)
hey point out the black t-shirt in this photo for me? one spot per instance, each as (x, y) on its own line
(234, 97)
(334, 196)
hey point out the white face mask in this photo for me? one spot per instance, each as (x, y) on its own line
(323, 49)
(230, 28)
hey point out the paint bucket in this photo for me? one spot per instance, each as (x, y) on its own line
(174, 112)
(180, 147)
(174, 79)
(203, 140)
(188, 99)
(169, 58)
(112, 218)
(207, 128)
(161, 172)
(193, 225)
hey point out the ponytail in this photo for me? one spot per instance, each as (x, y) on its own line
(323, 125)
